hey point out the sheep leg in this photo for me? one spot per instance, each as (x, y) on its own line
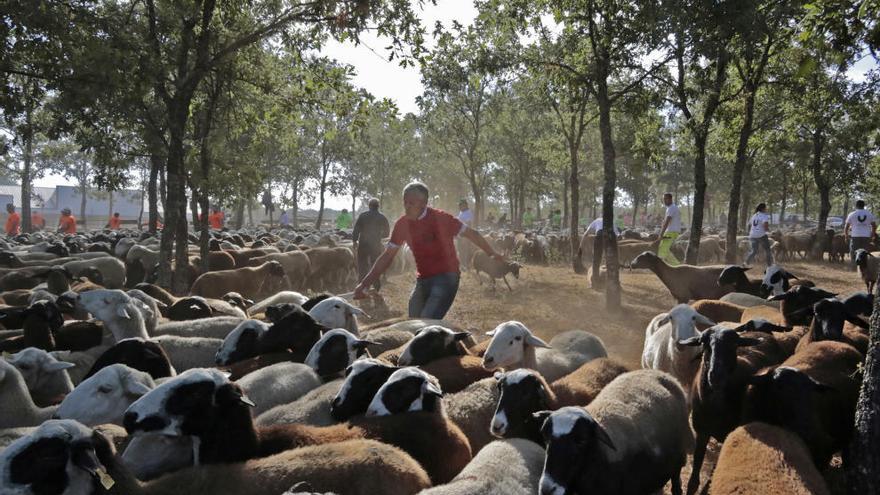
(676, 483)
(699, 454)
(507, 284)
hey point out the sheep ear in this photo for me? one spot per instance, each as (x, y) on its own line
(461, 335)
(244, 400)
(779, 297)
(58, 366)
(122, 313)
(357, 311)
(664, 320)
(249, 302)
(704, 320)
(788, 275)
(498, 375)
(137, 388)
(491, 333)
(855, 320)
(692, 341)
(541, 416)
(603, 437)
(536, 342)
(362, 344)
(433, 389)
(762, 377)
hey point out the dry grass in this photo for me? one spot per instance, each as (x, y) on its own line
(553, 299)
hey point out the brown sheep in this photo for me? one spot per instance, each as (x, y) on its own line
(330, 267)
(759, 458)
(251, 282)
(494, 269)
(718, 311)
(296, 265)
(242, 256)
(217, 260)
(685, 282)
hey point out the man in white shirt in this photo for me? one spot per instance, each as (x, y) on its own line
(670, 231)
(596, 225)
(860, 230)
(759, 230)
(465, 216)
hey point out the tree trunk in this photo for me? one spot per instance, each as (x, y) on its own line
(153, 193)
(822, 184)
(739, 165)
(323, 189)
(565, 214)
(204, 233)
(239, 214)
(785, 174)
(83, 192)
(692, 255)
(250, 210)
(141, 198)
(194, 204)
(26, 181)
(845, 205)
(110, 203)
(863, 466)
(806, 200)
(574, 182)
(612, 281)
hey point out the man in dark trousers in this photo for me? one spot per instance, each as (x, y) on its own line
(369, 230)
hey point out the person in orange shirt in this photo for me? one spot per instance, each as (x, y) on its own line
(13, 223)
(115, 222)
(215, 219)
(67, 222)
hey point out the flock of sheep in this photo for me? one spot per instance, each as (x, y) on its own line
(110, 384)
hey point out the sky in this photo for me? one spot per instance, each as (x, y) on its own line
(385, 79)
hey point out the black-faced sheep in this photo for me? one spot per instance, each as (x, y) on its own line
(139, 354)
(637, 424)
(797, 303)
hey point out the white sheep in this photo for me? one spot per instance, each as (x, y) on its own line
(46, 377)
(409, 389)
(639, 419)
(336, 312)
(141, 254)
(226, 353)
(662, 350)
(514, 346)
(189, 352)
(149, 308)
(776, 280)
(509, 467)
(82, 361)
(216, 327)
(112, 270)
(748, 300)
(123, 246)
(104, 396)
(334, 352)
(120, 313)
(280, 383)
(17, 409)
(287, 296)
(311, 409)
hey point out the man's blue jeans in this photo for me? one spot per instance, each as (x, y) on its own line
(760, 242)
(433, 296)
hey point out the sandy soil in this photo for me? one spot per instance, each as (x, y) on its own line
(554, 299)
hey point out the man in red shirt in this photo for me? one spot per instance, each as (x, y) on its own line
(13, 223)
(37, 220)
(115, 222)
(430, 234)
(67, 222)
(215, 219)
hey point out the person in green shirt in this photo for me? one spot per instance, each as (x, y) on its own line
(528, 220)
(556, 219)
(343, 220)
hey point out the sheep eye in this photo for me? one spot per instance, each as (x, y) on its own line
(693, 318)
(518, 338)
(104, 389)
(24, 366)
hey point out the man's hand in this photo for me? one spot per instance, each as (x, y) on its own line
(359, 292)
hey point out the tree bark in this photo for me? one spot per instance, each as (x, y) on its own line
(153, 193)
(785, 174)
(863, 466)
(824, 187)
(83, 191)
(574, 182)
(692, 256)
(739, 165)
(612, 280)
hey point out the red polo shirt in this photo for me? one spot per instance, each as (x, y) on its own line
(431, 240)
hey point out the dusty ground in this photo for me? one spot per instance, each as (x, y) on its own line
(553, 299)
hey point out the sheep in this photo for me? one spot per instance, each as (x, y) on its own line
(280, 383)
(83, 361)
(156, 293)
(330, 266)
(175, 408)
(121, 249)
(509, 467)
(662, 350)
(747, 300)
(46, 378)
(524, 392)
(776, 280)
(215, 327)
(296, 265)
(336, 312)
(729, 360)
(141, 255)
(796, 305)
(197, 307)
(363, 378)
(311, 409)
(868, 267)
(719, 311)
(17, 409)
(252, 282)
(514, 346)
(104, 396)
(758, 458)
(407, 389)
(112, 270)
(188, 352)
(684, 282)
(139, 354)
(859, 304)
(286, 296)
(439, 351)
(829, 323)
(812, 393)
(116, 310)
(494, 269)
(43, 328)
(358, 467)
(334, 352)
(637, 424)
(237, 301)
(735, 276)
(152, 312)
(296, 331)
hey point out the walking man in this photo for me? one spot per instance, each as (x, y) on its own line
(759, 230)
(67, 222)
(115, 222)
(429, 233)
(860, 230)
(343, 220)
(13, 222)
(669, 231)
(369, 230)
